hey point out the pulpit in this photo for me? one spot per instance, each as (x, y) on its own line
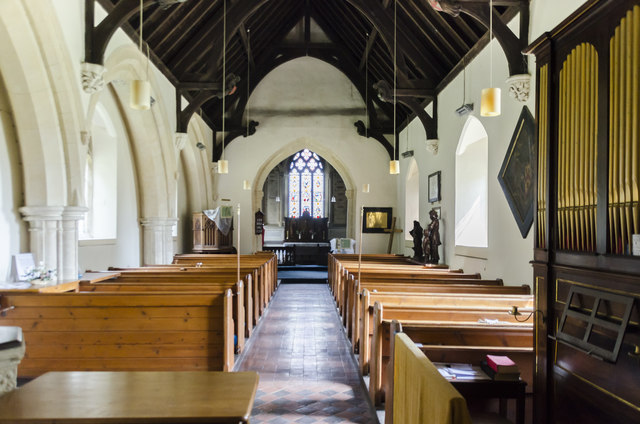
(209, 236)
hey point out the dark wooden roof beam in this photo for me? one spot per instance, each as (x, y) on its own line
(170, 39)
(381, 19)
(372, 39)
(97, 37)
(511, 44)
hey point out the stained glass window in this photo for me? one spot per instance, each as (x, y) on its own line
(306, 185)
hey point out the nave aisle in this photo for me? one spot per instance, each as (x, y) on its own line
(307, 371)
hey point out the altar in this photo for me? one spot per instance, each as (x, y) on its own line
(306, 229)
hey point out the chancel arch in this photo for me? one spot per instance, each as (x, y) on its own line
(291, 149)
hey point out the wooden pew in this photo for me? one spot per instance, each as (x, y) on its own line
(444, 332)
(397, 275)
(266, 261)
(119, 331)
(411, 294)
(352, 291)
(386, 271)
(417, 391)
(153, 280)
(253, 296)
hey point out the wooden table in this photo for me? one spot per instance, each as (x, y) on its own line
(483, 387)
(132, 397)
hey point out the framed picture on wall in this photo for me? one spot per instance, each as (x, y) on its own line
(434, 187)
(376, 220)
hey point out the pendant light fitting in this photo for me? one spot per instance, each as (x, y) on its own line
(490, 98)
(394, 165)
(223, 164)
(140, 90)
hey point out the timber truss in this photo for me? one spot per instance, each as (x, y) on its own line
(357, 37)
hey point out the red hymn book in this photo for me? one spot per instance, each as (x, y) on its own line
(501, 364)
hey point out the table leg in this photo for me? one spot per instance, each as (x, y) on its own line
(520, 406)
(502, 407)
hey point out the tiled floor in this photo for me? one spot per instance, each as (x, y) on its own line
(307, 372)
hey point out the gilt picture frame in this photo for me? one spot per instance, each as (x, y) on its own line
(376, 220)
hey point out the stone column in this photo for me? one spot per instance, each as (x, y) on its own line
(157, 240)
(352, 223)
(44, 234)
(70, 217)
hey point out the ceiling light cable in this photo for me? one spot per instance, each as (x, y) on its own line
(248, 73)
(224, 65)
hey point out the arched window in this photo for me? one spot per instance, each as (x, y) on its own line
(101, 177)
(472, 206)
(306, 185)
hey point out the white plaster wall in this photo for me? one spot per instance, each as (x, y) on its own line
(508, 255)
(11, 225)
(308, 103)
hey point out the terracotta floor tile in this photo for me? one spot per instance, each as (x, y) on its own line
(307, 373)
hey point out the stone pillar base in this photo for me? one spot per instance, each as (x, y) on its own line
(9, 360)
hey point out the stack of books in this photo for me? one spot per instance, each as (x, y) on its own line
(500, 368)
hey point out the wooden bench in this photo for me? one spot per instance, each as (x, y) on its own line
(385, 272)
(254, 297)
(242, 311)
(399, 276)
(354, 290)
(444, 329)
(123, 331)
(429, 295)
(267, 263)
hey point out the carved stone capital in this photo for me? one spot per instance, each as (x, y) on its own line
(181, 140)
(385, 91)
(519, 87)
(452, 7)
(85, 137)
(92, 75)
(432, 146)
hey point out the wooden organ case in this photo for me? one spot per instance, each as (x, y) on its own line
(588, 208)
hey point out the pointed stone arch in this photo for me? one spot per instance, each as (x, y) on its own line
(320, 149)
(154, 155)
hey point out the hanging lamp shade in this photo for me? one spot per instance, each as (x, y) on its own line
(490, 102)
(333, 199)
(140, 95)
(394, 167)
(223, 166)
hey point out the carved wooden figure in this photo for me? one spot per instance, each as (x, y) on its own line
(432, 239)
(416, 233)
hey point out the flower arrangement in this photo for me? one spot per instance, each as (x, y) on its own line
(39, 274)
